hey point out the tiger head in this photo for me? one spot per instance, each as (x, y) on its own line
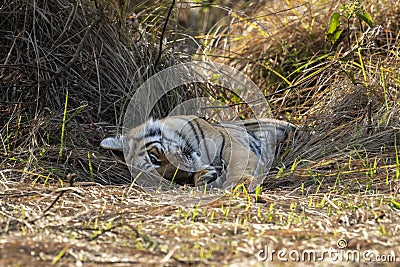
(159, 148)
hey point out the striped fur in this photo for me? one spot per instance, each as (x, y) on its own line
(190, 150)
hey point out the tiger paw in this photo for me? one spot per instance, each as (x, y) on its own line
(205, 176)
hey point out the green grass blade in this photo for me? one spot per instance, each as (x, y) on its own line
(63, 124)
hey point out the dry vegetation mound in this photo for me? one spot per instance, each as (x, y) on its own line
(344, 95)
(68, 68)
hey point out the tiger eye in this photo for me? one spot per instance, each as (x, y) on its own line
(154, 158)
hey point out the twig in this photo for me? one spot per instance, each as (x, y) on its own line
(70, 180)
(163, 33)
(93, 128)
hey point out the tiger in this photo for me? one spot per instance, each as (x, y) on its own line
(189, 150)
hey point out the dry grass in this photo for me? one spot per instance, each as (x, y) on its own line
(63, 201)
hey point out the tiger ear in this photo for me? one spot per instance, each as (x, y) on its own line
(112, 143)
